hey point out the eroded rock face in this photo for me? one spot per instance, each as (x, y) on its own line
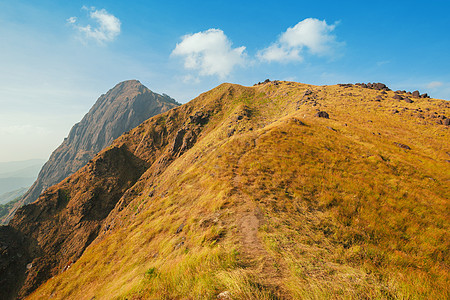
(122, 108)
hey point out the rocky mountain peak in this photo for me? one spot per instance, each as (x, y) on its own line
(122, 108)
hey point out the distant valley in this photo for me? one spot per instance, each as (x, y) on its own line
(16, 177)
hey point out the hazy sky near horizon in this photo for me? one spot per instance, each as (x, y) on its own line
(58, 57)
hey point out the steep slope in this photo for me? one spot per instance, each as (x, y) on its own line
(122, 108)
(250, 192)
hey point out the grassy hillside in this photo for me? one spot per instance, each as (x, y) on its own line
(269, 201)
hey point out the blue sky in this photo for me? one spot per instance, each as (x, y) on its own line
(58, 57)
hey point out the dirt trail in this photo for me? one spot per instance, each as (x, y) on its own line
(257, 261)
(253, 254)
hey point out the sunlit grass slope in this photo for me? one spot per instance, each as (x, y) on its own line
(274, 203)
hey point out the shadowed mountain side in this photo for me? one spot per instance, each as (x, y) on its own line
(13, 261)
(67, 217)
(122, 108)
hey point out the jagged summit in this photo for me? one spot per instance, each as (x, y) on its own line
(278, 191)
(122, 108)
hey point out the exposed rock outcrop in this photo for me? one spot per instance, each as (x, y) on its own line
(402, 146)
(375, 86)
(322, 114)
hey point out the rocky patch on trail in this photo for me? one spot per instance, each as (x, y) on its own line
(308, 98)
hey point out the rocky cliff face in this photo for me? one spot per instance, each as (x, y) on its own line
(122, 108)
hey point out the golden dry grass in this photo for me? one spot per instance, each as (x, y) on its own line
(344, 213)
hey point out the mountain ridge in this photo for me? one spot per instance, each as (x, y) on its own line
(249, 192)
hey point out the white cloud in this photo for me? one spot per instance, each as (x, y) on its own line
(310, 34)
(71, 20)
(106, 29)
(209, 52)
(434, 84)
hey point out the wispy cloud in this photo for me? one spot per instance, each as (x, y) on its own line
(191, 79)
(312, 35)
(106, 26)
(383, 62)
(210, 52)
(22, 130)
(434, 84)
